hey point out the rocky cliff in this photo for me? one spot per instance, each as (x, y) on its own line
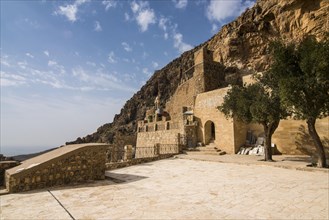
(241, 46)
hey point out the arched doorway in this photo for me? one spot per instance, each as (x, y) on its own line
(209, 132)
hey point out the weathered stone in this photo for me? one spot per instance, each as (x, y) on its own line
(58, 167)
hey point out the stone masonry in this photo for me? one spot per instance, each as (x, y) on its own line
(193, 110)
(71, 164)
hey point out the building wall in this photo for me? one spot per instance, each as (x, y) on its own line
(149, 139)
(77, 166)
(240, 134)
(285, 135)
(205, 110)
(183, 96)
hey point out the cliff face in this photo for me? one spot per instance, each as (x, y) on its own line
(241, 46)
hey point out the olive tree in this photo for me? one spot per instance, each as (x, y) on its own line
(301, 73)
(255, 103)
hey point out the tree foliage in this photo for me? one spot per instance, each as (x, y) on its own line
(255, 103)
(301, 74)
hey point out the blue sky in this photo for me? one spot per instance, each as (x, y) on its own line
(68, 66)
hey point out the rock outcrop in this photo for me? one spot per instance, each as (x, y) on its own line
(241, 46)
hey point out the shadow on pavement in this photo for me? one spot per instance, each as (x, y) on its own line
(123, 178)
(298, 159)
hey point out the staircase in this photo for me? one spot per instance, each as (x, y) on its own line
(210, 149)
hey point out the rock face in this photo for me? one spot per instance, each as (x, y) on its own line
(241, 46)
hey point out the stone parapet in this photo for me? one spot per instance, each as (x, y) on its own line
(71, 164)
(4, 165)
(135, 161)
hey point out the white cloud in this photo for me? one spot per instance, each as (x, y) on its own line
(180, 3)
(127, 17)
(111, 58)
(109, 4)
(8, 82)
(70, 10)
(52, 63)
(219, 10)
(100, 80)
(97, 26)
(145, 18)
(163, 25)
(129, 77)
(91, 63)
(46, 52)
(179, 44)
(126, 47)
(147, 72)
(214, 28)
(4, 60)
(11, 80)
(200, 2)
(135, 7)
(29, 55)
(33, 24)
(59, 68)
(170, 30)
(144, 15)
(155, 64)
(145, 55)
(22, 64)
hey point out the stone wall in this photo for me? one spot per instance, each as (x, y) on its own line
(149, 139)
(69, 164)
(135, 161)
(206, 110)
(184, 96)
(214, 76)
(285, 135)
(5, 165)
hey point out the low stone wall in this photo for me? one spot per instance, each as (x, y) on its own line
(135, 161)
(70, 164)
(4, 165)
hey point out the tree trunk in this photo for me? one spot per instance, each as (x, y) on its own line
(322, 162)
(267, 147)
(269, 131)
(267, 143)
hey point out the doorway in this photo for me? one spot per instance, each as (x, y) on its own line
(209, 132)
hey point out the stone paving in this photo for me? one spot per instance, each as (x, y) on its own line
(182, 189)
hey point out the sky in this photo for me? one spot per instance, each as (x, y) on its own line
(67, 67)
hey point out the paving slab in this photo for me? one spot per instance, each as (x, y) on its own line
(182, 189)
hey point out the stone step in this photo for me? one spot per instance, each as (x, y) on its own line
(202, 153)
(210, 149)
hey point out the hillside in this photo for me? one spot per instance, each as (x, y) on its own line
(241, 46)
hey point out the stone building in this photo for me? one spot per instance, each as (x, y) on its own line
(191, 116)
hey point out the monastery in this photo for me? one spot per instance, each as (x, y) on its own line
(191, 116)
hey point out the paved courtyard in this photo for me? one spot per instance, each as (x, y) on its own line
(182, 189)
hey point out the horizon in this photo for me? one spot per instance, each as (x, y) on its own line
(68, 67)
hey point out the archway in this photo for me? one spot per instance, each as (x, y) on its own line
(209, 132)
